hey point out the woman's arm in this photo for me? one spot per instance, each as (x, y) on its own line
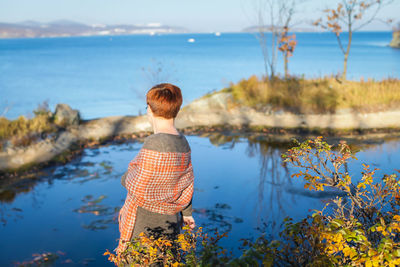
(187, 216)
(188, 210)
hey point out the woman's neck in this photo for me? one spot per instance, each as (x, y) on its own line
(161, 125)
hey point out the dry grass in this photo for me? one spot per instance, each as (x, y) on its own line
(23, 131)
(318, 95)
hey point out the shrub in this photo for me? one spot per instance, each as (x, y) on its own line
(144, 250)
(361, 228)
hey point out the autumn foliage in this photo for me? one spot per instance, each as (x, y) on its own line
(184, 251)
(286, 44)
(350, 16)
(360, 227)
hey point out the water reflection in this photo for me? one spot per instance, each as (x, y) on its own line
(217, 219)
(278, 193)
(78, 171)
(274, 176)
(241, 185)
(108, 215)
(11, 187)
(268, 149)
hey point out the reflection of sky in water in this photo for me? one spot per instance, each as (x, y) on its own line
(239, 186)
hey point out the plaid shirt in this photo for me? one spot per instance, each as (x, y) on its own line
(160, 182)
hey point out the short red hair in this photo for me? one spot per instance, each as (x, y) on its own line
(165, 100)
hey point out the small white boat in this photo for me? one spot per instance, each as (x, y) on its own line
(217, 34)
(191, 40)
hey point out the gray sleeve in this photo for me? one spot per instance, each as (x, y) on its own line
(188, 210)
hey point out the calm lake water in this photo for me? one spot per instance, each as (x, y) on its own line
(240, 186)
(103, 76)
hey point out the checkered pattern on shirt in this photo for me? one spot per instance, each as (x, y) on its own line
(160, 182)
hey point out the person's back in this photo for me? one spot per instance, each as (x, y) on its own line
(153, 223)
(160, 178)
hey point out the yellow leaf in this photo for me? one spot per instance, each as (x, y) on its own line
(361, 185)
(346, 251)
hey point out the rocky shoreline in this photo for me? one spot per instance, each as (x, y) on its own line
(216, 113)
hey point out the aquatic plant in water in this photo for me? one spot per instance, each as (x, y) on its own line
(94, 206)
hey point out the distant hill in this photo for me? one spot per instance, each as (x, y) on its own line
(64, 28)
(268, 28)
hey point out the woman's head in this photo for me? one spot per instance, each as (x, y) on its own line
(164, 100)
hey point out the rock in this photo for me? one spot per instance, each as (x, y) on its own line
(395, 43)
(65, 115)
(216, 101)
(112, 126)
(218, 110)
(41, 152)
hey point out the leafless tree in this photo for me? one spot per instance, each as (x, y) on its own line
(276, 17)
(155, 72)
(350, 15)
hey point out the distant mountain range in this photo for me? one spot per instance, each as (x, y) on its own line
(65, 28)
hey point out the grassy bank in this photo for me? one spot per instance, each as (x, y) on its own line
(23, 131)
(323, 95)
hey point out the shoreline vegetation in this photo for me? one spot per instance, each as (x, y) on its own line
(273, 110)
(395, 43)
(276, 111)
(317, 96)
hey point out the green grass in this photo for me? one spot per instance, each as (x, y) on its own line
(323, 95)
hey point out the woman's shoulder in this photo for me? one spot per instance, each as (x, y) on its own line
(164, 142)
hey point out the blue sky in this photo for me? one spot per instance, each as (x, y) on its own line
(201, 16)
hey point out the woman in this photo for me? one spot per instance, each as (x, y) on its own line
(160, 178)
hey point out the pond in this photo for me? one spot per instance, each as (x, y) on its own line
(240, 187)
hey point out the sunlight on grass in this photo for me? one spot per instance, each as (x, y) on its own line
(23, 131)
(321, 95)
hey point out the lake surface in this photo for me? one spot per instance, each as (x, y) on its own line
(240, 186)
(103, 76)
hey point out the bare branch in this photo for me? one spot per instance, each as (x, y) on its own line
(371, 19)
